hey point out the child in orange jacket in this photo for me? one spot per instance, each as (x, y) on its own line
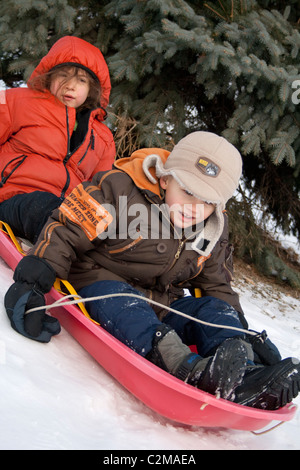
(51, 134)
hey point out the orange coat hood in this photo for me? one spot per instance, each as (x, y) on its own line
(133, 166)
(72, 50)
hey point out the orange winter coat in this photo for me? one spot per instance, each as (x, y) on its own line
(36, 128)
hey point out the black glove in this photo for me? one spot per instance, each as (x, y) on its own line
(33, 278)
(265, 352)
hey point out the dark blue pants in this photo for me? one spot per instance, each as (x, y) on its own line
(134, 322)
(27, 213)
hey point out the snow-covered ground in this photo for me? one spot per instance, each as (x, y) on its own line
(55, 396)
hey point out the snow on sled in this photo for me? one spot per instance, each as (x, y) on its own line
(160, 391)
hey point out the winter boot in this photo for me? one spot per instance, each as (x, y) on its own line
(218, 375)
(270, 387)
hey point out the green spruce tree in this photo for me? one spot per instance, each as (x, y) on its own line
(28, 28)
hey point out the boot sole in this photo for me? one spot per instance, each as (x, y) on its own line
(271, 387)
(226, 370)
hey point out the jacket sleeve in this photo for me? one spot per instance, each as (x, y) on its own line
(217, 274)
(5, 118)
(72, 228)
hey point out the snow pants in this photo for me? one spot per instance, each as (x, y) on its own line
(27, 213)
(133, 321)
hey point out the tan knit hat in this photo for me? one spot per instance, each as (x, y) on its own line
(207, 165)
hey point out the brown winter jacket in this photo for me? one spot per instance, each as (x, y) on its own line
(86, 239)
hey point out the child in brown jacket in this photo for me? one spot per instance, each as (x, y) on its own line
(155, 226)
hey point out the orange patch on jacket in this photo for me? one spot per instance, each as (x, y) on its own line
(82, 209)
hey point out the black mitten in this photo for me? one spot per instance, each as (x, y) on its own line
(265, 352)
(34, 277)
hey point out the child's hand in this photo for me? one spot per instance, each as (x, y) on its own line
(35, 325)
(34, 277)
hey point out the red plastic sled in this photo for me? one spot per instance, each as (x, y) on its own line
(157, 389)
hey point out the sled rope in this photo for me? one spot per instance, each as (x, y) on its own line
(79, 300)
(64, 301)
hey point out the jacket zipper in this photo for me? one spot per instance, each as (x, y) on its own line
(69, 154)
(66, 159)
(5, 178)
(90, 144)
(177, 254)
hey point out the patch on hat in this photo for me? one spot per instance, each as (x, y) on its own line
(208, 167)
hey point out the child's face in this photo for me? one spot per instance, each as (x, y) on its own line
(70, 88)
(185, 209)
